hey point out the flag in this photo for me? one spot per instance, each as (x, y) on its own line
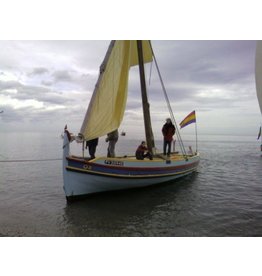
(259, 134)
(191, 118)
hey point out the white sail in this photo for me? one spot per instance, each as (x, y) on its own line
(259, 73)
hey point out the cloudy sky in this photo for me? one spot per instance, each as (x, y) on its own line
(45, 84)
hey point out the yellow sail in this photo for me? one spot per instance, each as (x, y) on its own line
(107, 106)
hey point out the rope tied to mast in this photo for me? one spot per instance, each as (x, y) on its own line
(169, 106)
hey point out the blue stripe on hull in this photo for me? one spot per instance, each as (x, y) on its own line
(92, 168)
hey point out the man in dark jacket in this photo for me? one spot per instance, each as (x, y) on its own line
(168, 131)
(142, 152)
(92, 144)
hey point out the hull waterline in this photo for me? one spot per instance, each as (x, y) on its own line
(83, 177)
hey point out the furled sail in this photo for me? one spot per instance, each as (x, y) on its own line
(259, 73)
(106, 108)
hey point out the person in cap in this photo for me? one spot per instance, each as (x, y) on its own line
(168, 131)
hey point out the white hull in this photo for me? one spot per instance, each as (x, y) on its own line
(76, 184)
(83, 177)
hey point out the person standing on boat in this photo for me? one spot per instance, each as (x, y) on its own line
(168, 131)
(112, 138)
(142, 152)
(92, 144)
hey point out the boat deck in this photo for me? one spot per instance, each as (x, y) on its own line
(130, 158)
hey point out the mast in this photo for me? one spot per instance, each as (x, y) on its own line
(146, 107)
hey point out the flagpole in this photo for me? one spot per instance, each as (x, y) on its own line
(196, 136)
(191, 118)
(261, 140)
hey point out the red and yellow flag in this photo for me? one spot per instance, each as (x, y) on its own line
(191, 118)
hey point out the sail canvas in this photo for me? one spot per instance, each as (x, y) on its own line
(107, 106)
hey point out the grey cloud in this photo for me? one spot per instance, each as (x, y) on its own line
(207, 61)
(27, 92)
(189, 70)
(71, 78)
(47, 82)
(31, 115)
(189, 67)
(62, 75)
(9, 85)
(38, 71)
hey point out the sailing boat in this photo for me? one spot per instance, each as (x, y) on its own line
(258, 75)
(83, 176)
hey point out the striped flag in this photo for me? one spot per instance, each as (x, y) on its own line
(191, 118)
(259, 134)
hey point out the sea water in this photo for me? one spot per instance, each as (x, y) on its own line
(222, 199)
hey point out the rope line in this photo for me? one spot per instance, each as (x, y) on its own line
(29, 160)
(169, 107)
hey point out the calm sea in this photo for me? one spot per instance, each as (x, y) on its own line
(223, 198)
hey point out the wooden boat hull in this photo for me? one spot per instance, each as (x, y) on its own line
(83, 177)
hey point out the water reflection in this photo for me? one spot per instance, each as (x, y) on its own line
(138, 212)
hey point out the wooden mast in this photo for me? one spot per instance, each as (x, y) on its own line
(146, 107)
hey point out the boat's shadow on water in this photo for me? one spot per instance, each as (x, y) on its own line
(121, 213)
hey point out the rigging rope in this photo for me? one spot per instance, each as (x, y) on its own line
(169, 106)
(30, 160)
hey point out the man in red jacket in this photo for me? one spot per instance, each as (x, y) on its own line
(168, 131)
